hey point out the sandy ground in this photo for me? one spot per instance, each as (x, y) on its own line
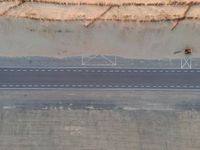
(126, 100)
(132, 40)
(4, 6)
(147, 120)
(88, 12)
(54, 30)
(99, 130)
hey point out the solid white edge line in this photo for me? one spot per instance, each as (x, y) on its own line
(106, 89)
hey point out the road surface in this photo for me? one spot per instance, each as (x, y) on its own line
(99, 78)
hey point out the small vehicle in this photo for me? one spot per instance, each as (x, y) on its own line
(188, 51)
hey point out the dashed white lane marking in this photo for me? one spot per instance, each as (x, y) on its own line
(98, 86)
(102, 70)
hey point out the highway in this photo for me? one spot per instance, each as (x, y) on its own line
(99, 78)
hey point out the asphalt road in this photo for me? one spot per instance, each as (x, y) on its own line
(99, 78)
